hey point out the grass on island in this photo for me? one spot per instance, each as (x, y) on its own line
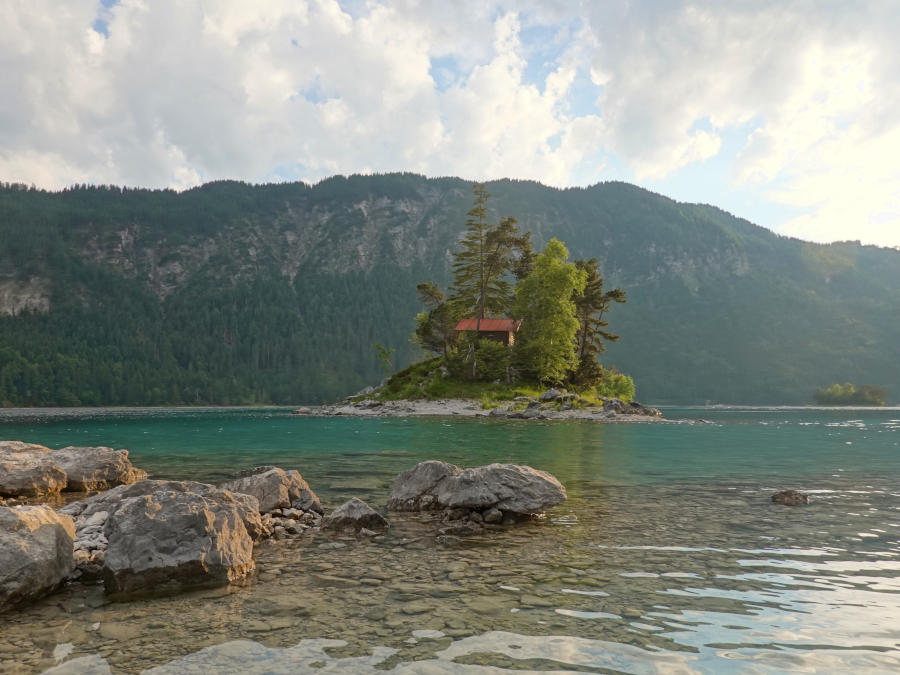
(425, 381)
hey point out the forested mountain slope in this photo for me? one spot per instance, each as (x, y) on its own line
(230, 293)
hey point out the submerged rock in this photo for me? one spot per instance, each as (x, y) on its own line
(354, 515)
(29, 470)
(97, 468)
(171, 538)
(36, 553)
(276, 488)
(790, 498)
(510, 488)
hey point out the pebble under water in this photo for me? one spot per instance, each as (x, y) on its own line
(668, 556)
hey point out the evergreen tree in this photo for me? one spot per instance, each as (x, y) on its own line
(487, 255)
(545, 345)
(590, 306)
(435, 325)
(480, 268)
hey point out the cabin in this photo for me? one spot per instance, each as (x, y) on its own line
(499, 330)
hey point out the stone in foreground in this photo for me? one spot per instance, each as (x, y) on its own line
(790, 498)
(510, 488)
(29, 470)
(276, 489)
(171, 538)
(354, 515)
(109, 501)
(36, 553)
(98, 468)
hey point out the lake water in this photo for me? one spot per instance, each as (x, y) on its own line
(668, 556)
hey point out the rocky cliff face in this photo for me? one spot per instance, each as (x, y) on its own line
(32, 295)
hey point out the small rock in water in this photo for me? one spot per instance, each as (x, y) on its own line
(354, 515)
(790, 498)
(61, 651)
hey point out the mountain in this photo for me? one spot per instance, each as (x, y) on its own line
(231, 293)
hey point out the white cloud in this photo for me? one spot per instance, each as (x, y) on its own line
(177, 93)
(184, 91)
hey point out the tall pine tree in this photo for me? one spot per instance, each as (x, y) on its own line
(590, 306)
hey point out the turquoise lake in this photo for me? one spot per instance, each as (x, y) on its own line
(668, 556)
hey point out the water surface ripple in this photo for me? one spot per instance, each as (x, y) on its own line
(668, 556)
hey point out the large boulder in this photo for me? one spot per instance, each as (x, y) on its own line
(173, 538)
(29, 470)
(36, 552)
(510, 488)
(97, 468)
(109, 501)
(276, 488)
(354, 515)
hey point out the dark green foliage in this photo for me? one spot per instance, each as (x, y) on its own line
(486, 256)
(847, 394)
(493, 361)
(590, 306)
(231, 293)
(435, 324)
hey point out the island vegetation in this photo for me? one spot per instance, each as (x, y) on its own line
(848, 394)
(513, 322)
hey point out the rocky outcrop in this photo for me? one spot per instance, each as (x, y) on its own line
(354, 515)
(171, 539)
(29, 470)
(276, 488)
(509, 488)
(790, 498)
(36, 552)
(631, 408)
(97, 468)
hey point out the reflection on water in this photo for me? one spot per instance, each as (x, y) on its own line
(665, 559)
(636, 579)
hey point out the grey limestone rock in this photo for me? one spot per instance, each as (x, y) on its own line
(413, 489)
(96, 468)
(552, 394)
(276, 488)
(83, 665)
(29, 470)
(509, 488)
(354, 515)
(36, 552)
(108, 501)
(173, 538)
(790, 498)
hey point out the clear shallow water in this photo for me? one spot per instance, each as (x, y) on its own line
(667, 557)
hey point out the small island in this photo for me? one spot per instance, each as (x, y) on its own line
(517, 334)
(848, 394)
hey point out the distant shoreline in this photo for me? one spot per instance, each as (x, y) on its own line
(461, 407)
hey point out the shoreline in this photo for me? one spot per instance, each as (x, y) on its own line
(471, 408)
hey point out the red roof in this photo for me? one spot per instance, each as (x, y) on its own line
(491, 325)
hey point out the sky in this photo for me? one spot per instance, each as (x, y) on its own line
(784, 112)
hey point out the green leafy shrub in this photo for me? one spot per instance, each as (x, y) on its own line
(616, 385)
(847, 394)
(493, 361)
